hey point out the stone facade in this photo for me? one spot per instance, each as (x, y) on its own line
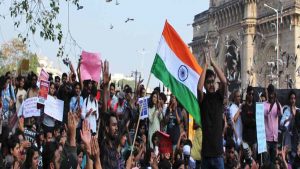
(241, 37)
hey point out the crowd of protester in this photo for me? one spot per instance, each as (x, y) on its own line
(100, 123)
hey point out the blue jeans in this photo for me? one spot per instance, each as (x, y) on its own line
(212, 163)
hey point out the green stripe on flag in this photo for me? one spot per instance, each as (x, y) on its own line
(182, 93)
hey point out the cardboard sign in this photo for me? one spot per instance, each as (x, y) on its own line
(29, 107)
(43, 92)
(165, 143)
(260, 128)
(24, 65)
(143, 102)
(30, 135)
(54, 108)
(90, 67)
(43, 75)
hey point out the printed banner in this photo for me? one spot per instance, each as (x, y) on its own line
(43, 75)
(260, 128)
(43, 92)
(90, 66)
(29, 107)
(54, 108)
(143, 102)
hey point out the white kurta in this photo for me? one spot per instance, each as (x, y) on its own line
(154, 123)
(92, 119)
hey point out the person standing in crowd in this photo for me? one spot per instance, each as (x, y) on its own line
(119, 106)
(155, 115)
(87, 87)
(272, 111)
(112, 101)
(76, 104)
(20, 92)
(211, 105)
(173, 120)
(65, 93)
(237, 121)
(33, 91)
(90, 110)
(57, 82)
(109, 153)
(77, 100)
(48, 121)
(32, 158)
(247, 113)
(7, 97)
(287, 122)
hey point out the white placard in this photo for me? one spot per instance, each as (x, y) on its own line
(143, 102)
(29, 107)
(54, 108)
(260, 128)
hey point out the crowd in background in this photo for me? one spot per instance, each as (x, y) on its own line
(100, 122)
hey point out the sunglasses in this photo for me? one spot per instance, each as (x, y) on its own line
(250, 94)
(209, 81)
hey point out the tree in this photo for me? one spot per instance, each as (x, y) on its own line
(39, 16)
(11, 55)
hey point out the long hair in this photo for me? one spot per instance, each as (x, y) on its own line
(292, 92)
(29, 156)
(151, 104)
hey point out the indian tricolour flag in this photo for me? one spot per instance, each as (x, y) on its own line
(178, 69)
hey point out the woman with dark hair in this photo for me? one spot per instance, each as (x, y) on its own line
(80, 154)
(173, 119)
(288, 120)
(32, 158)
(155, 115)
(14, 152)
(90, 109)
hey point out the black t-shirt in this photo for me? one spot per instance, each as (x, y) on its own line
(249, 123)
(211, 118)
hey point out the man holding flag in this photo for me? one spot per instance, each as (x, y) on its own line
(179, 70)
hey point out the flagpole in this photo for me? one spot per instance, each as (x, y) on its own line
(138, 123)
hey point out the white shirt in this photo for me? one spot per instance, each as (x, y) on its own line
(87, 105)
(24, 95)
(238, 124)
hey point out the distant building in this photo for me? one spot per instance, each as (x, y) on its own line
(47, 65)
(241, 36)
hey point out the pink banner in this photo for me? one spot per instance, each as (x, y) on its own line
(43, 75)
(90, 67)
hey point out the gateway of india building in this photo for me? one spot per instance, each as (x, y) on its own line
(241, 36)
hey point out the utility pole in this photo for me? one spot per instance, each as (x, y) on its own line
(136, 75)
(277, 43)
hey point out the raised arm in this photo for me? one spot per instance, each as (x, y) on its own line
(202, 81)
(106, 79)
(219, 73)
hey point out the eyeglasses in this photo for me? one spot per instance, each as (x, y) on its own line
(209, 81)
(250, 93)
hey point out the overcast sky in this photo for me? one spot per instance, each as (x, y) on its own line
(90, 27)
